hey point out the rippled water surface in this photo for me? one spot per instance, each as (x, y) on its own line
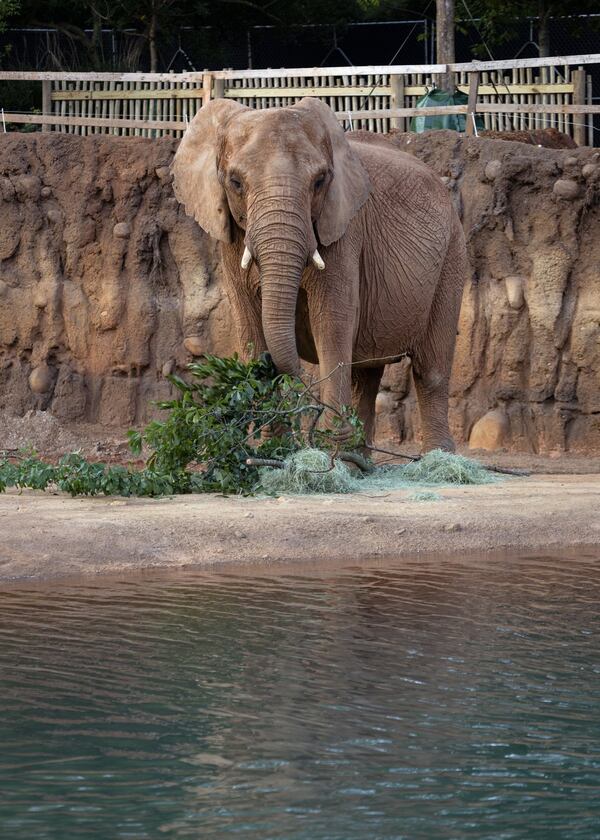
(428, 699)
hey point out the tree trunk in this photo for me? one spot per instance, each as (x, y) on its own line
(96, 45)
(152, 41)
(445, 40)
(544, 29)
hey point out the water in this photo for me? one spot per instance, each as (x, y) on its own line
(427, 699)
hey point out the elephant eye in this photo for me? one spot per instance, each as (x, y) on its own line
(235, 182)
(319, 182)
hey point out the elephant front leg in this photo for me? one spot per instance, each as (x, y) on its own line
(332, 321)
(245, 310)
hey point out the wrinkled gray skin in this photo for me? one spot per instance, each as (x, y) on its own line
(288, 180)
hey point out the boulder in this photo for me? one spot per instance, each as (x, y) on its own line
(490, 431)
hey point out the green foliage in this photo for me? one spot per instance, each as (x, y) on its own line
(75, 475)
(228, 412)
(8, 8)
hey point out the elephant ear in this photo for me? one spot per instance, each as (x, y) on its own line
(350, 186)
(195, 181)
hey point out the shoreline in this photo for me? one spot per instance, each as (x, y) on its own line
(45, 536)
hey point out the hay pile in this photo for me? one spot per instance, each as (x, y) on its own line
(309, 471)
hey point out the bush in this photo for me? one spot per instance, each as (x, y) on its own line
(228, 412)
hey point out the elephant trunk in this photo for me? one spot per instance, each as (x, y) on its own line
(281, 240)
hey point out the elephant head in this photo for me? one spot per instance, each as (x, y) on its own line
(287, 181)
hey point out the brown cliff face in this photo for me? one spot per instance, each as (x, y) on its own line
(105, 285)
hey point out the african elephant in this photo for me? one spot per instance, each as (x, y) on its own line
(334, 249)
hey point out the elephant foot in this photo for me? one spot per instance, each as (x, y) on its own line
(444, 443)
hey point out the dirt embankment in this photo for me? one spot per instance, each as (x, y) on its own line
(105, 285)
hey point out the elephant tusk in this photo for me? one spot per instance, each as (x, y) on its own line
(318, 260)
(246, 258)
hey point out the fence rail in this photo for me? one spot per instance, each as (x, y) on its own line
(520, 94)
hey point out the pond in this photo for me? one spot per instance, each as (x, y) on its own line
(430, 698)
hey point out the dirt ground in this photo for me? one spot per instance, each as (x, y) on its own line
(46, 536)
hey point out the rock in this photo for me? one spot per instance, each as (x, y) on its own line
(493, 168)
(45, 192)
(400, 531)
(453, 527)
(163, 173)
(122, 230)
(566, 189)
(514, 291)
(39, 299)
(589, 170)
(490, 431)
(385, 402)
(168, 367)
(571, 161)
(54, 216)
(40, 379)
(69, 398)
(117, 401)
(195, 345)
(27, 187)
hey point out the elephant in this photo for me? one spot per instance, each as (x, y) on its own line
(335, 248)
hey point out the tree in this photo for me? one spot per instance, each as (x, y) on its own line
(445, 39)
(497, 18)
(8, 8)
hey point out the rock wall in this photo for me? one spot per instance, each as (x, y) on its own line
(105, 285)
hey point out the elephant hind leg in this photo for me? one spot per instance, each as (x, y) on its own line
(365, 386)
(431, 385)
(432, 359)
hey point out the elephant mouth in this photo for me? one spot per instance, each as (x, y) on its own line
(247, 259)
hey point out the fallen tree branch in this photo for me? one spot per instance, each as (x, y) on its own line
(395, 454)
(349, 457)
(265, 462)
(506, 470)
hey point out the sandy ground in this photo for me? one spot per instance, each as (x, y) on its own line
(45, 536)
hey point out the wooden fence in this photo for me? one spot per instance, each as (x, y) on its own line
(519, 94)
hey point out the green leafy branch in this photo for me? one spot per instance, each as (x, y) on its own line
(229, 413)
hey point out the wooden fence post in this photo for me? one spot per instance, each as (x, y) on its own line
(207, 87)
(219, 89)
(397, 100)
(579, 120)
(470, 127)
(46, 102)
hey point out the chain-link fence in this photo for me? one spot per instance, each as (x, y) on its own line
(403, 41)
